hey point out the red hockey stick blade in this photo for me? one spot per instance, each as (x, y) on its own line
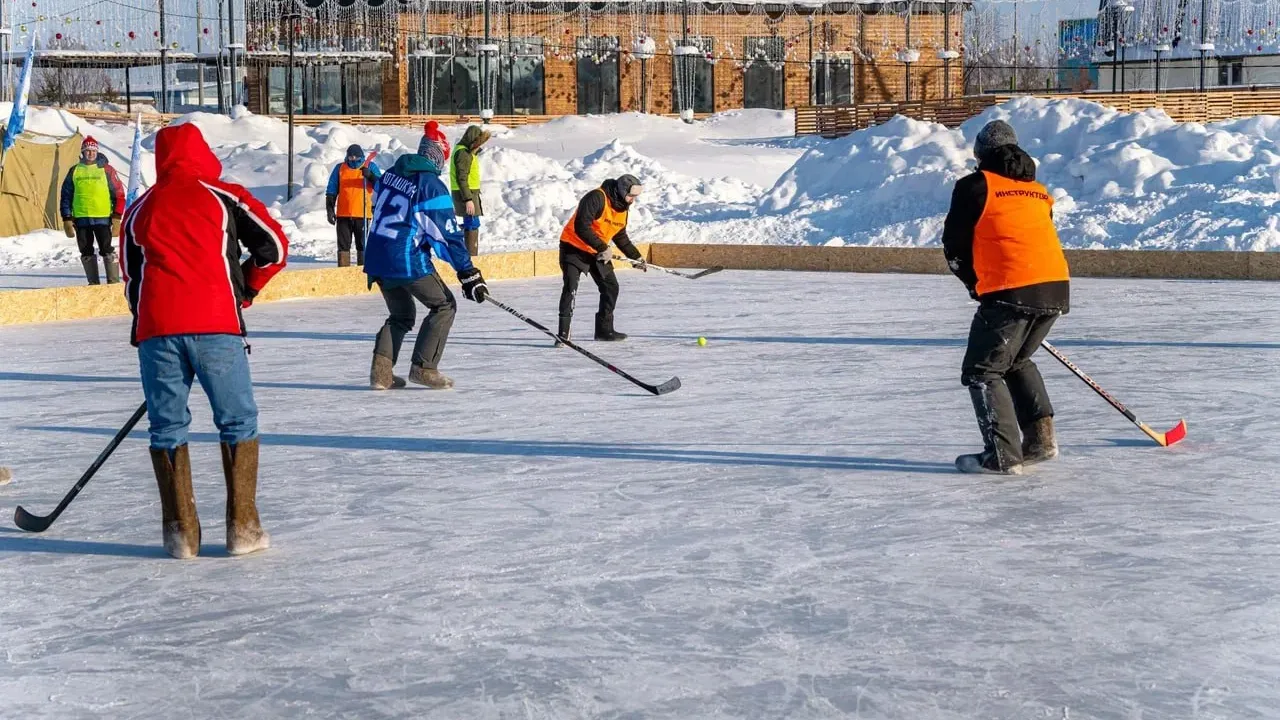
(1176, 433)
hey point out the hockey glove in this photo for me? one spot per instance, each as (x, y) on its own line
(605, 256)
(473, 287)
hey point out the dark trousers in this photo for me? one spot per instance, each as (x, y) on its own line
(573, 263)
(349, 228)
(441, 306)
(1005, 385)
(88, 235)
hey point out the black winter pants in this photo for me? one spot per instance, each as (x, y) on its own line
(442, 307)
(573, 263)
(1005, 385)
(87, 235)
(349, 228)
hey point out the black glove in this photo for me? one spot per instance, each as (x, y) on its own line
(329, 214)
(473, 287)
(973, 293)
(640, 264)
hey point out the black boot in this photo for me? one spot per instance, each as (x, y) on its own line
(1002, 448)
(563, 331)
(604, 328)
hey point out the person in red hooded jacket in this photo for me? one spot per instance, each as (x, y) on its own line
(186, 286)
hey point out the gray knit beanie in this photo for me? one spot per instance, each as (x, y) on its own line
(997, 133)
(432, 151)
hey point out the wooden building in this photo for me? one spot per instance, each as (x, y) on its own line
(443, 57)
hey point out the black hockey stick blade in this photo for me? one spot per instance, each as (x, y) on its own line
(704, 273)
(669, 386)
(39, 523)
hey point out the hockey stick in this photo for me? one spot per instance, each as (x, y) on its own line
(659, 268)
(37, 523)
(1165, 439)
(669, 386)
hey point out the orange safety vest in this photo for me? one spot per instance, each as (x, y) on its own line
(355, 197)
(1014, 243)
(610, 223)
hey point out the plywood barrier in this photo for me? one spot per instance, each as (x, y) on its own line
(79, 303)
(83, 302)
(1209, 265)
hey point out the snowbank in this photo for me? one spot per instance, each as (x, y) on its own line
(1120, 180)
(533, 176)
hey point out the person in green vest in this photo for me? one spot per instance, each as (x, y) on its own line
(464, 180)
(92, 204)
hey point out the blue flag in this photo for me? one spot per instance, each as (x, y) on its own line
(18, 118)
(135, 164)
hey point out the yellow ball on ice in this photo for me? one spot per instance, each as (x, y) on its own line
(702, 342)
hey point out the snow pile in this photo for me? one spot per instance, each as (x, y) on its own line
(1120, 180)
(533, 176)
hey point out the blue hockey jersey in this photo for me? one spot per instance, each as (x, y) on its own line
(412, 218)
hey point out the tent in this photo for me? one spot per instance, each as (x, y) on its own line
(31, 180)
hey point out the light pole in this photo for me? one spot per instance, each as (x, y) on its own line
(233, 94)
(291, 19)
(1205, 46)
(1124, 43)
(164, 66)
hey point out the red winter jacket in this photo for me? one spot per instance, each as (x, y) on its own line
(181, 240)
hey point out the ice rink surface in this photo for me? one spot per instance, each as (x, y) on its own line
(784, 537)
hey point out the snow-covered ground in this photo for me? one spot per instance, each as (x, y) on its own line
(1122, 180)
(783, 537)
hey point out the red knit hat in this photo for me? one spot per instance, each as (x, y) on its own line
(436, 135)
(88, 142)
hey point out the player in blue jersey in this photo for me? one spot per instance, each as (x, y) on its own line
(412, 218)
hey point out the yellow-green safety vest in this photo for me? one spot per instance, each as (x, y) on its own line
(473, 176)
(93, 194)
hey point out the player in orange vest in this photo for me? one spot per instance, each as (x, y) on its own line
(601, 218)
(999, 239)
(349, 202)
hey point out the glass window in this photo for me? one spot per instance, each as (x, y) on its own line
(326, 97)
(763, 83)
(521, 89)
(833, 81)
(699, 73)
(598, 75)
(276, 79)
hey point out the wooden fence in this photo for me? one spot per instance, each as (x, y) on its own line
(1189, 106)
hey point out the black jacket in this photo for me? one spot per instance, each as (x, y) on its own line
(592, 207)
(968, 200)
